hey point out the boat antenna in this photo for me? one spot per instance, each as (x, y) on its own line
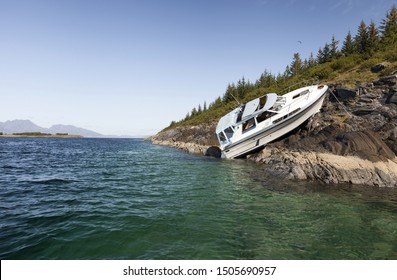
(238, 102)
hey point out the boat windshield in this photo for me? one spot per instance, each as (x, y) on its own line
(229, 132)
(225, 135)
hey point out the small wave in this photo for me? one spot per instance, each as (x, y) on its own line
(53, 181)
(10, 167)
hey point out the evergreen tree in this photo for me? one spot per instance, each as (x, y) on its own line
(194, 112)
(320, 56)
(265, 80)
(296, 65)
(305, 64)
(280, 79)
(327, 53)
(287, 72)
(311, 61)
(205, 106)
(199, 110)
(362, 38)
(334, 53)
(348, 45)
(218, 101)
(241, 88)
(324, 55)
(388, 28)
(373, 37)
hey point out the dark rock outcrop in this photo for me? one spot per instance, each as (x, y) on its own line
(344, 94)
(388, 81)
(213, 151)
(377, 68)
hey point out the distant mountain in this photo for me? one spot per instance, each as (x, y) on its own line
(70, 129)
(19, 126)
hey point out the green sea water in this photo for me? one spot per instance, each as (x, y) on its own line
(129, 199)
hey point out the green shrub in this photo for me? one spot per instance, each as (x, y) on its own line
(367, 64)
(391, 55)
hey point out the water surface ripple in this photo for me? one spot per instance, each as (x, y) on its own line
(128, 199)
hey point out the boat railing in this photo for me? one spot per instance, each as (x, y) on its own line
(302, 83)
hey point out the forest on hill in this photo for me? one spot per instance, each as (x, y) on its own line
(343, 63)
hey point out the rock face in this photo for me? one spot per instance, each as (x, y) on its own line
(352, 140)
(198, 139)
(327, 168)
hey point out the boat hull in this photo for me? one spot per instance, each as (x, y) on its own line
(270, 134)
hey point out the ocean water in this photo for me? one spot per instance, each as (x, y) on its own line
(129, 199)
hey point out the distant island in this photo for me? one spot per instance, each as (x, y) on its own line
(26, 128)
(40, 134)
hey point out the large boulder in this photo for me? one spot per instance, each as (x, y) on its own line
(344, 94)
(377, 68)
(213, 151)
(388, 81)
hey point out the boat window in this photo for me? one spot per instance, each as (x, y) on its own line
(222, 137)
(300, 94)
(264, 116)
(286, 116)
(280, 119)
(229, 132)
(294, 112)
(250, 124)
(262, 101)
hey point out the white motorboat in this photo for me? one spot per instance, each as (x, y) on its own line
(264, 119)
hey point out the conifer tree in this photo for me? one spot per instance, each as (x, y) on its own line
(287, 72)
(305, 64)
(311, 61)
(280, 79)
(320, 56)
(334, 53)
(324, 55)
(327, 52)
(265, 80)
(348, 45)
(362, 38)
(296, 65)
(388, 28)
(199, 110)
(194, 112)
(241, 88)
(373, 37)
(215, 103)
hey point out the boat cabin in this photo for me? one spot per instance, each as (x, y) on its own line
(247, 116)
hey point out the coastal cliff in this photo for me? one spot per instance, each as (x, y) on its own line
(352, 140)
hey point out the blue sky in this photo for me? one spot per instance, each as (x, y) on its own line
(132, 66)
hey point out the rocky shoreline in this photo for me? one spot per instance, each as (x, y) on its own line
(352, 140)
